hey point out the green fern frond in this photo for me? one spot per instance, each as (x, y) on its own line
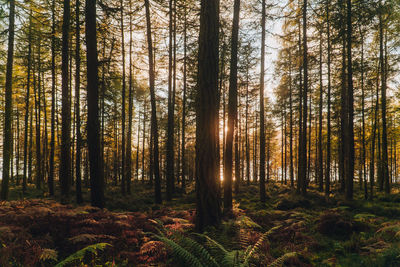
(281, 260)
(247, 222)
(80, 254)
(257, 246)
(198, 250)
(180, 253)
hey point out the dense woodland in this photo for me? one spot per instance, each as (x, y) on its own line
(200, 133)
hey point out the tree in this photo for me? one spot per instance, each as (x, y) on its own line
(154, 126)
(78, 157)
(302, 175)
(208, 211)
(232, 111)
(328, 141)
(171, 108)
(349, 131)
(123, 144)
(65, 156)
(93, 124)
(7, 138)
(262, 111)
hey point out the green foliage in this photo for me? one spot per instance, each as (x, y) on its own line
(80, 254)
(281, 260)
(187, 251)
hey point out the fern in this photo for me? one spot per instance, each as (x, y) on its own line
(79, 255)
(198, 250)
(48, 254)
(181, 253)
(281, 260)
(254, 249)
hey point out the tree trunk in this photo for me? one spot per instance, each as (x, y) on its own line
(262, 119)
(232, 111)
(93, 127)
(384, 162)
(123, 144)
(130, 109)
(65, 157)
(349, 142)
(183, 161)
(78, 156)
(28, 86)
(208, 211)
(328, 139)
(7, 138)
(154, 127)
(170, 128)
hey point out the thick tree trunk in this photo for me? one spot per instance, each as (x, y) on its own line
(94, 145)
(208, 204)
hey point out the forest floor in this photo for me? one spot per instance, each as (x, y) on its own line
(132, 231)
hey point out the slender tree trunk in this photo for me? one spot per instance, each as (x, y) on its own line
(78, 158)
(232, 111)
(364, 167)
(170, 128)
(154, 127)
(343, 101)
(65, 157)
(183, 161)
(94, 145)
(385, 161)
(303, 140)
(123, 144)
(291, 168)
(328, 139)
(262, 119)
(37, 86)
(349, 142)
(130, 109)
(320, 154)
(7, 137)
(28, 86)
(53, 102)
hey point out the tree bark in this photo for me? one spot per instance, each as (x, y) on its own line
(93, 127)
(208, 211)
(154, 127)
(262, 119)
(7, 137)
(232, 111)
(65, 156)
